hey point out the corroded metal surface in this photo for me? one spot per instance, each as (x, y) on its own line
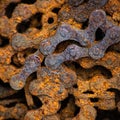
(59, 59)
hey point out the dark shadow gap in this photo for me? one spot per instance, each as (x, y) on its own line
(33, 21)
(64, 103)
(37, 102)
(4, 41)
(19, 95)
(109, 114)
(28, 1)
(6, 85)
(85, 24)
(11, 104)
(36, 20)
(77, 110)
(91, 72)
(32, 76)
(23, 26)
(94, 100)
(56, 10)
(75, 86)
(50, 20)
(69, 103)
(43, 63)
(99, 35)
(9, 9)
(15, 60)
(63, 45)
(114, 48)
(104, 71)
(117, 94)
(88, 92)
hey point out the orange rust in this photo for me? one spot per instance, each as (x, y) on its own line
(90, 83)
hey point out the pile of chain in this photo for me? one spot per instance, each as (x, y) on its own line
(59, 59)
